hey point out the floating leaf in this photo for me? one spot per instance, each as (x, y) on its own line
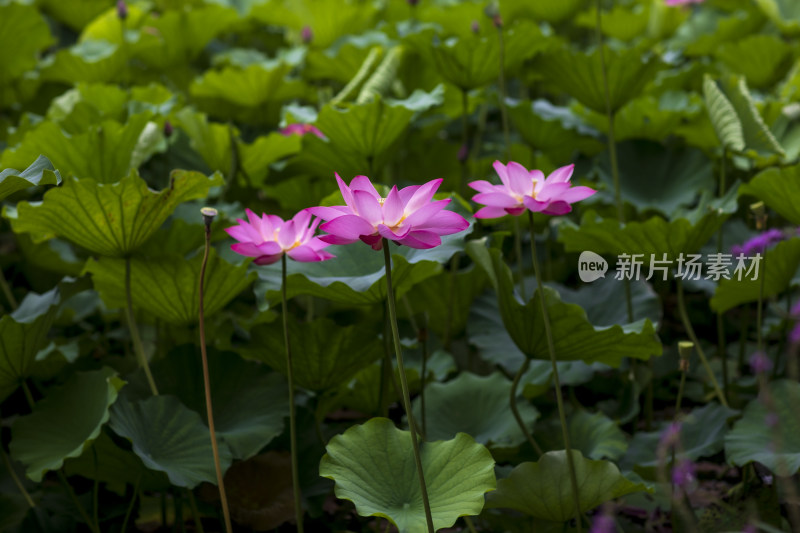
(477, 406)
(777, 267)
(575, 337)
(60, 425)
(768, 430)
(542, 489)
(250, 402)
(372, 465)
(581, 75)
(761, 59)
(325, 354)
(593, 434)
(23, 334)
(40, 172)
(108, 219)
(25, 31)
(686, 233)
(169, 437)
(356, 276)
(103, 153)
(777, 187)
(166, 287)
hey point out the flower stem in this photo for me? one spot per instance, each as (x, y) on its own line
(7, 291)
(721, 351)
(513, 403)
(208, 217)
(690, 332)
(501, 82)
(198, 523)
(464, 141)
(16, 479)
(130, 505)
(760, 308)
(298, 502)
(559, 399)
(387, 256)
(134, 329)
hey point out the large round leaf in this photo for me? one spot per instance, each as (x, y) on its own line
(778, 188)
(373, 466)
(166, 287)
(775, 445)
(762, 59)
(40, 172)
(25, 31)
(477, 406)
(543, 489)
(22, 334)
(169, 437)
(108, 219)
(324, 354)
(60, 425)
(593, 434)
(250, 402)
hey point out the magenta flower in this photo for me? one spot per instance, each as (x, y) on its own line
(306, 34)
(301, 129)
(269, 237)
(760, 363)
(406, 216)
(759, 243)
(522, 189)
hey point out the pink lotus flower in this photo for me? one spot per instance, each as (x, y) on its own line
(523, 189)
(406, 216)
(269, 237)
(301, 129)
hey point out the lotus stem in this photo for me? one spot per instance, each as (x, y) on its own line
(559, 398)
(721, 351)
(690, 332)
(208, 217)
(198, 523)
(134, 330)
(513, 404)
(7, 291)
(130, 505)
(464, 142)
(16, 479)
(387, 255)
(501, 83)
(298, 502)
(518, 252)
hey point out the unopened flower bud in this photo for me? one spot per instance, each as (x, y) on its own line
(168, 129)
(463, 153)
(122, 10)
(475, 27)
(306, 34)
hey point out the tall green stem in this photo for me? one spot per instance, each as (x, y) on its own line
(690, 332)
(387, 256)
(15, 478)
(134, 329)
(208, 216)
(559, 399)
(501, 81)
(298, 502)
(721, 351)
(518, 252)
(512, 401)
(7, 291)
(760, 308)
(464, 142)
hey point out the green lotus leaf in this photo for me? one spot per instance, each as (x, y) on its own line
(542, 489)
(108, 219)
(580, 74)
(88, 61)
(472, 61)
(166, 287)
(538, 379)
(372, 465)
(169, 437)
(575, 337)
(61, 425)
(707, 29)
(86, 105)
(702, 433)
(758, 436)
(593, 434)
(621, 22)
(356, 276)
(250, 402)
(755, 133)
(25, 31)
(360, 137)
(552, 12)
(325, 355)
(328, 19)
(40, 172)
(115, 466)
(556, 131)
(80, 154)
(784, 13)
(761, 59)
(342, 61)
(686, 233)
(674, 177)
(778, 267)
(76, 16)
(777, 187)
(477, 406)
(23, 334)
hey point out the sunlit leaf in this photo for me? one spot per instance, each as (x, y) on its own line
(784, 13)
(88, 61)
(40, 172)
(761, 59)
(777, 187)
(24, 31)
(542, 489)
(553, 12)
(60, 425)
(372, 465)
(108, 219)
